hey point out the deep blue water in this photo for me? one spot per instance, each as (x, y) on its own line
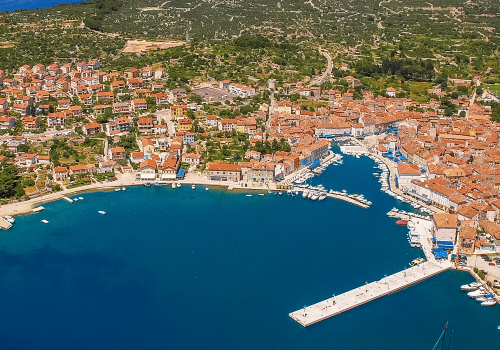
(184, 269)
(12, 5)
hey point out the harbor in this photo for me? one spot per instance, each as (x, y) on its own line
(336, 305)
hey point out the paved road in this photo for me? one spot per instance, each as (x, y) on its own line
(327, 72)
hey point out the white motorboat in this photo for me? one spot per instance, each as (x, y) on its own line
(193, 187)
(311, 193)
(75, 199)
(116, 190)
(261, 194)
(322, 197)
(178, 185)
(102, 212)
(315, 196)
(305, 194)
(248, 195)
(44, 221)
(471, 286)
(124, 189)
(477, 293)
(9, 219)
(80, 198)
(173, 185)
(206, 188)
(489, 302)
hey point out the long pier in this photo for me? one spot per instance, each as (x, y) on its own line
(349, 300)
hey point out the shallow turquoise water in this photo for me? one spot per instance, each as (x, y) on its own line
(184, 269)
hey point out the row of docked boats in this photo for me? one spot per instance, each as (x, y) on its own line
(314, 193)
(477, 291)
(413, 236)
(395, 212)
(384, 181)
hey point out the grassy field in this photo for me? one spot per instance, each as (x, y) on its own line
(495, 89)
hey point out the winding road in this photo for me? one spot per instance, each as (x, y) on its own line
(326, 73)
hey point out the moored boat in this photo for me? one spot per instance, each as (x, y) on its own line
(489, 302)
(402, 222)
(102, 212)
(471, 286)
(44, 221)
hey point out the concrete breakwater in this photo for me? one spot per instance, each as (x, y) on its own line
(370, 291)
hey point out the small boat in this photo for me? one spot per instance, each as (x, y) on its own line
(9, 219)
(315, 196)
(102, 212)
(417, 261)
(117, 189)
(305, 194)
(322, 197)
(489, 302)
(178, 185)
(268, 191)
(44, 221)
(124, 189)
(173, 185)
(206, 188)
(471, 286)
(80, 198)
(193, 187)
(402, 222)
(75, 199)
(261, 194)
(248, 195)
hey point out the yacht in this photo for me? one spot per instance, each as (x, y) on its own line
(471, 286)
(489, 302)
(102, 212)
(45, 221)
(315, 196)
(477, 293)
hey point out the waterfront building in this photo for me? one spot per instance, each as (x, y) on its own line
(224, 172)
(444, 227)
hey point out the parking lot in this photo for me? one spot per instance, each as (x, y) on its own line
(214, 95)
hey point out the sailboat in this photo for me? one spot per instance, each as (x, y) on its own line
(442, 339)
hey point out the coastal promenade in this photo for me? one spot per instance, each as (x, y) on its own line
(310, 315)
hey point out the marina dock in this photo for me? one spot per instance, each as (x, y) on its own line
(348, 199)
(349, 300)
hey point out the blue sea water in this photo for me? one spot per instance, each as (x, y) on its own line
(181, 269)
(12, 5)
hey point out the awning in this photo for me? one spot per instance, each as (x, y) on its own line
(377, 132)
(395, 128)
(181, 173)
(422, 170)
(396, 160)
(403, 158)
(419, 196)
(314, 164)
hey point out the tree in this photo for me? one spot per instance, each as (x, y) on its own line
(10, 185)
